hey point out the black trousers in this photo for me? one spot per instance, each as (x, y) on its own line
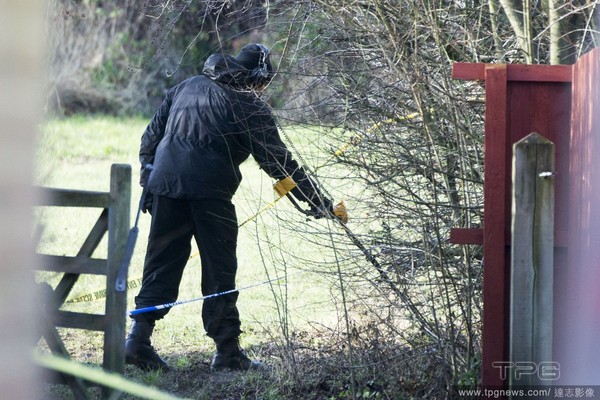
(213, 224)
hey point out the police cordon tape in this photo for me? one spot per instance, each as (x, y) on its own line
(356, 139)
(135, 283)
(177, 303)
(101, 294)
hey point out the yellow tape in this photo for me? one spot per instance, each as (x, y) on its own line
(101, 377)
(101, 294)
(359, 137)
(286, 184)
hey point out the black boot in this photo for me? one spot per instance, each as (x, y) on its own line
(139, 351)
(230, 356)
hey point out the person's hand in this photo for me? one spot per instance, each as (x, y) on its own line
(322, 209)
(147, 203)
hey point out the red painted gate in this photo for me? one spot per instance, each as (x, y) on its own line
(560, 103)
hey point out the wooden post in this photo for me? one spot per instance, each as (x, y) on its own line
(22, 60)
(495, 187)
(532, 259)
(116, 304)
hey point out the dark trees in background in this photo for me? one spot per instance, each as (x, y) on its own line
(121, 56)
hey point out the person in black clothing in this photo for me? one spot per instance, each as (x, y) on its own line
(190, 155)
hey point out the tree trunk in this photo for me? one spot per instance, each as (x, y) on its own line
(558, 43)
(516, 11)
(494, 10)
(564, 33)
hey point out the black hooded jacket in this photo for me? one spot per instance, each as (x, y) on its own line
(205, 128)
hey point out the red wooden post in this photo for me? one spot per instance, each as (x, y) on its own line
(495, 271)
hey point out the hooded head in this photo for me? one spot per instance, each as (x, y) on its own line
(251, 68)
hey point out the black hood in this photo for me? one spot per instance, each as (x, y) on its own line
(225, 69)
(246, 70)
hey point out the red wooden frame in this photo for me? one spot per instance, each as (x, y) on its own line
(520, 99)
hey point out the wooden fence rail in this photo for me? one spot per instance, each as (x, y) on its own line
(114, 219)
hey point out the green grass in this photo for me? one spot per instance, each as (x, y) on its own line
(296, 324)
(77, 153)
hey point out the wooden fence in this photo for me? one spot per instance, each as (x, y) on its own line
(114, 219)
